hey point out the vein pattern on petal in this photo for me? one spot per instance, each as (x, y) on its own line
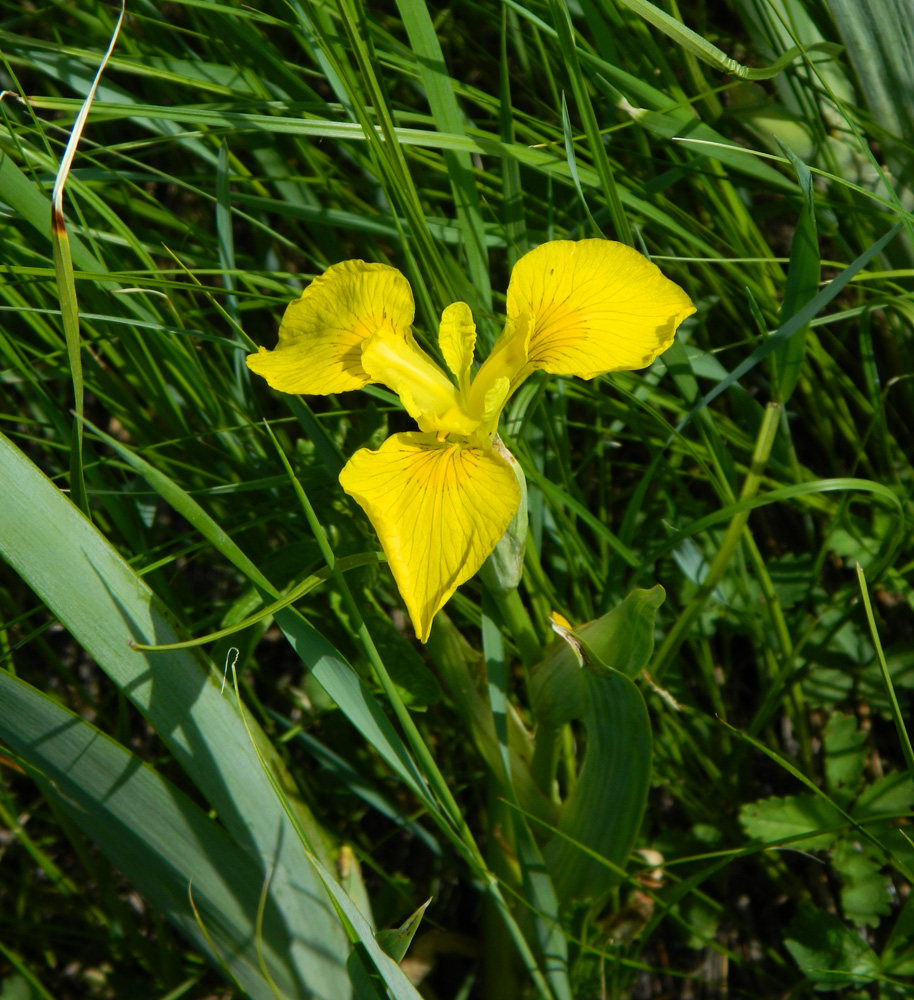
(322, 332)
(597, 306)
(438, 509)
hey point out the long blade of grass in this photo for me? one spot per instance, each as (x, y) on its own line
(897, 717)
(700, 47)
(66, 286)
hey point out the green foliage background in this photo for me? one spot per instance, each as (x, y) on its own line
(760, 151)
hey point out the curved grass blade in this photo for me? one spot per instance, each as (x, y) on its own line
(700, 47)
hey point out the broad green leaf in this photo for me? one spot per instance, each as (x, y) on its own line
(623, 640)
(604, 811)
(105, 605)
(889, 795)
(865, 895)
(829, 954)
(163, 843)
(845, 757)
(805, 822)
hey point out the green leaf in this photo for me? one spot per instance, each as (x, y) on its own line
(623, 639)
(864, 889)
(163, 843)
(807, 822)
(600, 820)
(396, 942)
(889, 795)
(104, 604)
(828, 953)
(845, 756)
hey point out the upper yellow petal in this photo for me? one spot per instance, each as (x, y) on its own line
(457, 339)
(438, 508)
(322, 332)
(597, 306)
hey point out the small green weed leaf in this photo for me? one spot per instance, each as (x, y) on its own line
(899, 660)
(16, 987)
(810, 821)
(898, 954)
(845, 755)
(829, 954)
(864, 890)
(790, 576)
(701, 918)
(889, 796)
(396, 942)
(802, 280)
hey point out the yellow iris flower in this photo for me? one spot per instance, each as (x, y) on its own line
(440, 498)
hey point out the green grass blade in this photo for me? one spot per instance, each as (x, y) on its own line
(797, 322)
(562, 19)
(897, 717)
(439, 90)
(802, 281)
(66, 286)
(700, 47)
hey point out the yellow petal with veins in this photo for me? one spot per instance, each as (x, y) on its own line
(457, 339)
(438, 508)
(322, 332)
(596, 307)
(424, 389)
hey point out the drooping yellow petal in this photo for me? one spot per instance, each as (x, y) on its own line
(322, 332)
(457, 339)
(438, 509)
(596, 307)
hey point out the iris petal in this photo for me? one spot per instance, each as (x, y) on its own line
(457, 339)
(597, 307)
(322, 332)
(438, 509)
